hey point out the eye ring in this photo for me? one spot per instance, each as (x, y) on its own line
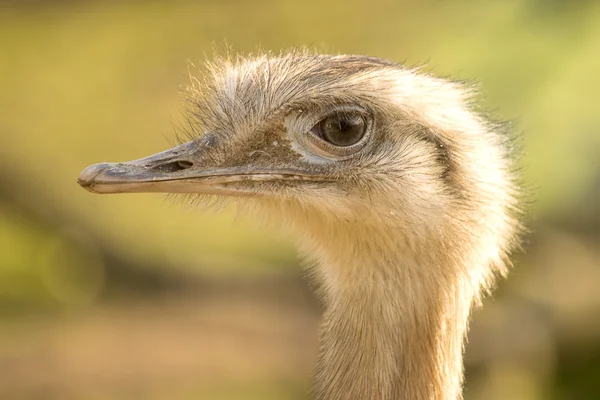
(341, 133)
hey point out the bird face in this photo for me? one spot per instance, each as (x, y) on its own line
(349, 136)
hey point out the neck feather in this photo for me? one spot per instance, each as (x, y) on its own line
(393, 328)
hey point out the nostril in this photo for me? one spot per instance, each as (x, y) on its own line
(173, 166)
(184, 164)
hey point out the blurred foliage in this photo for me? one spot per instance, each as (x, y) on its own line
(82, 82)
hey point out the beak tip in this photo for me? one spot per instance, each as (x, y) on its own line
(89, 174)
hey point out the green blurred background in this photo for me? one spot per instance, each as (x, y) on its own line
(132, 297)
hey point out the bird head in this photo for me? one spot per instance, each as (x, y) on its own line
(329, 141)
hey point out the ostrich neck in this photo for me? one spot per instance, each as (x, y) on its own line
(393, 329)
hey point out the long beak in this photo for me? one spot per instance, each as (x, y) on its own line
(173, 171)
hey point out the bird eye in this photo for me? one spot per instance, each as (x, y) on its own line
(341, 129)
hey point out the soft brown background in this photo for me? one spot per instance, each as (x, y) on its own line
(133, 297)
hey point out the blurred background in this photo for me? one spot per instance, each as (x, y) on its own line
(132, 297)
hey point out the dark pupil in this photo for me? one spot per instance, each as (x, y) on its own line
(342, 130)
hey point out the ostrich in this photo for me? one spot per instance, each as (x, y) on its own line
(401, 195)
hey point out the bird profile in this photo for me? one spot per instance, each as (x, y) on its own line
(400, 194)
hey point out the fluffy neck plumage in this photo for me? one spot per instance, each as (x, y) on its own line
(395, 320)
(380, 347)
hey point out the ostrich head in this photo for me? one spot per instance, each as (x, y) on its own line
(400, 192)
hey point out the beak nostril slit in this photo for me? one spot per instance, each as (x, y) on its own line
(184, 164)
(173, 166)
